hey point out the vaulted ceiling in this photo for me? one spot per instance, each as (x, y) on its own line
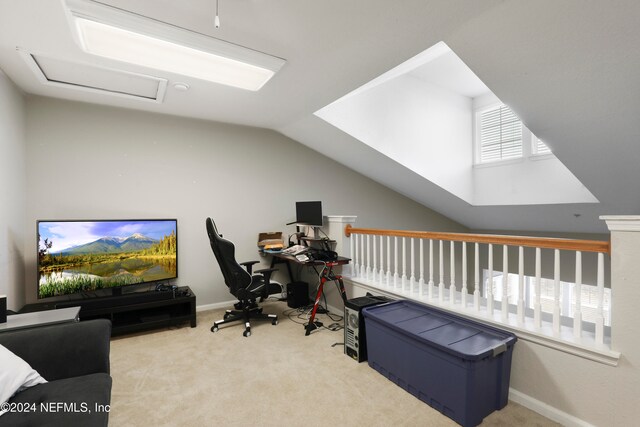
(568, 69)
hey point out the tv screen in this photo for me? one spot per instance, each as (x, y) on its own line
(83, 256)
(309, 213)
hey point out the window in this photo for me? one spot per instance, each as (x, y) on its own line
(539, 147)
(500, 134)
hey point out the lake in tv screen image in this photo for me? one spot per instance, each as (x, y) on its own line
(81, 256)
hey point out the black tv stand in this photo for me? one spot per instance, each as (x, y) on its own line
(133, 312)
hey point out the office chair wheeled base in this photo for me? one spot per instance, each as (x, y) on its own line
(250, 311)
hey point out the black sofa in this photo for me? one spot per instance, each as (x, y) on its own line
(74, 358)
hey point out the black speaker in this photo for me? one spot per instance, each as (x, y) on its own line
(297, 294)
(3, 308)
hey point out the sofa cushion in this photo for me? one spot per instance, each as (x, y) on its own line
(63, 350)
(15, 375)
(77, 401)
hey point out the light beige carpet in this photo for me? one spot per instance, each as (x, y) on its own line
(276, 377)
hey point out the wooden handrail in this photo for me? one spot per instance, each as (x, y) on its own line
(532, 242)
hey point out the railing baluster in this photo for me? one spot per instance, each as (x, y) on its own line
(421, 281)
(465, 291)
(353, 241)
(374, 270)
(395, 262)
(521, 285)
(537, 316)
(476, 280)
(490, 283)
(404, 263)
(430, 291)
(599, 310)
(441, 271)
(388, 261)
(452, 285)
(556, 291)
(363, 269)
(577, 314)
(504, 310)
(381, 274)
(412, 279)
(368, 270)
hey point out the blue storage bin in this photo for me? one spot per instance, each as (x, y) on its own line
(457, 366)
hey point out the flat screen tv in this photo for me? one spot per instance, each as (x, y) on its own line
(309, 213)
(75, 257)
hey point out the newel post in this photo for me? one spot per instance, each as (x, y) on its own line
(334, 226)
(625, 283)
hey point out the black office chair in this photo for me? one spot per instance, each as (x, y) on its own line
(244, 285)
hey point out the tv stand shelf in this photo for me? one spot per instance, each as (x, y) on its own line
(133, 312)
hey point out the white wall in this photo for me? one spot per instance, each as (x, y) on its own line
(12, 192)
(92, 162)
(422, 126)
(528, 181)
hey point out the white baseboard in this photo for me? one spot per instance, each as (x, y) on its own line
(548, 411)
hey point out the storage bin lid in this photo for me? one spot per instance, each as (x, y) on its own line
(361, 302)
(453, 334)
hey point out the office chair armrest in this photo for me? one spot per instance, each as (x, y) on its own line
(266, 273)
(249, 265)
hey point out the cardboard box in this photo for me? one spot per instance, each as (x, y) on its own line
(270, 240)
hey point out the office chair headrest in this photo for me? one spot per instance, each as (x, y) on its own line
(212, 229)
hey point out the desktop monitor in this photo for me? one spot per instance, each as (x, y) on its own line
(309, 213)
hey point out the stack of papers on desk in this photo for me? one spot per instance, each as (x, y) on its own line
(295, 250)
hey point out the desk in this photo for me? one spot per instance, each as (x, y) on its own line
(40, 318)
(326, 275)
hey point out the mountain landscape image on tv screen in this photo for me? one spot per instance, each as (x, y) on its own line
(84, 256)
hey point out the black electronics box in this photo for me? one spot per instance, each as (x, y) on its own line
(355, 340)
(297, 294)
(3, 309)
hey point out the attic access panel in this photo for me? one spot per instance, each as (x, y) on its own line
(95, 79)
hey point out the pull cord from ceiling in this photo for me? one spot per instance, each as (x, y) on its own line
(217, 19)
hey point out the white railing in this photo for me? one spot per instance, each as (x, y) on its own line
(386, 260)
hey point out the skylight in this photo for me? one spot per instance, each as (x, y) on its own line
(122, 36)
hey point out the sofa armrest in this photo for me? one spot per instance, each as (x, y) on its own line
(65, 350)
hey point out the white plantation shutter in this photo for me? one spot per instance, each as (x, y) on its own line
(539, 146)
(500, 134)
